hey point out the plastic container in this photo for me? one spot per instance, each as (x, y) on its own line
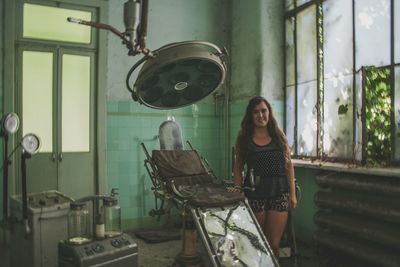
(79, 224)
(112, 217)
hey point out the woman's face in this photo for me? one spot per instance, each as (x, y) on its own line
(260, 115)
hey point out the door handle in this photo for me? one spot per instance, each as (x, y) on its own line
(53, 156)
(60, 156)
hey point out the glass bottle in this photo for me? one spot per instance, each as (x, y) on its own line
(78, 223)
(112, 217)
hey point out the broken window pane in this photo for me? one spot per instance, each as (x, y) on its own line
(377, 112)
(397, 113)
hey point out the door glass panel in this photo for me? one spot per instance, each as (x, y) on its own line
(75, 103)
(50, 23)
(37, 87)
(372, 22)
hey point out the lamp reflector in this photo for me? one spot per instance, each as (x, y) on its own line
(10, 123)
(30, 143)
(180, 74)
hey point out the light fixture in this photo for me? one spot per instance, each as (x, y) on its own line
(30, 143)
(178, 74)
(173, 76)
(9, 123)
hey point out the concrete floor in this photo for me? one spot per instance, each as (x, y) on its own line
(163, 254)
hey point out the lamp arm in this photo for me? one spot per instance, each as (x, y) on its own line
(6, 162)
(100, 26)
(128, 76)
(132, 50)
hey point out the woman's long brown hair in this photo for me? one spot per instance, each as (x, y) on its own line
(247, 130)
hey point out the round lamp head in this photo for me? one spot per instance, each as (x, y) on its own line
(30, 143)
(9, 123)
(180, 74)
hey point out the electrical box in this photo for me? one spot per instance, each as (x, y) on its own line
(47, 216)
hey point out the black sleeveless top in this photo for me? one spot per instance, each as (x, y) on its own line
(268, 164)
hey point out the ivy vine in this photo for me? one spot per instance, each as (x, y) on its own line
(378, 121)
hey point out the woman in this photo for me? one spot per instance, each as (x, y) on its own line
(262, 146)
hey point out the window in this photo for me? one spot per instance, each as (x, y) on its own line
(342, 80)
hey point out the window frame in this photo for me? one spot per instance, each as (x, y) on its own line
(291, 13)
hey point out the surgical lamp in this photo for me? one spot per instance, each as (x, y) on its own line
(9, 125)
(175, 75)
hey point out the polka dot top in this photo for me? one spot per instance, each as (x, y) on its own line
(268, 164)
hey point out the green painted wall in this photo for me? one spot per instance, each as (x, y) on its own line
(169, 21)
(257, 49)
(304, 214)
(257, 58)
(253, 33)
(128, 125)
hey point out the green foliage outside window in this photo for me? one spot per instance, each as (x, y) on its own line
(378, 110)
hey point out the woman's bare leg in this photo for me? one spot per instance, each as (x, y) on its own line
(261, 219)
(275, 222)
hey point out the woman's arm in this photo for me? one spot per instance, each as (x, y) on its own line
(238, 172)
(292, 186)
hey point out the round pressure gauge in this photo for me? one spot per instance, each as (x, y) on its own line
(10, 123)
(30, 143)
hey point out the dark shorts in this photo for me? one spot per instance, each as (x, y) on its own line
(279, 203)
